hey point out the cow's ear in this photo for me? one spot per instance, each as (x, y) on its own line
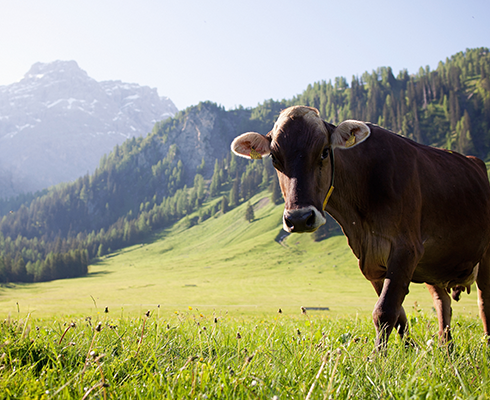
(251, 145)
(349, 134)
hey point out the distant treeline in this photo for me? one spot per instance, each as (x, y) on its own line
(55, 233)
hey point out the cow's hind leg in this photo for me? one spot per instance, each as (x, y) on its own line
(483, 283)
(442, 304)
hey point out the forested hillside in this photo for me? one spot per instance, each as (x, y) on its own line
(448, 107)
(149, 183)
(141, 186)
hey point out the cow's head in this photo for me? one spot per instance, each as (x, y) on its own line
(301, 146)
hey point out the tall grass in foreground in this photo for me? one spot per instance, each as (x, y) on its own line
(192, 355)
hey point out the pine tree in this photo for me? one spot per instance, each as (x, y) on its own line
(249, 213)
(265, 179)
(224, 205)
(199, 187)
(234, 194)
(100, 251)
(200, 168)
(215, 180)
(19, 272)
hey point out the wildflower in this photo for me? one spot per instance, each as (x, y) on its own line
(279, 311)
(98, 328)
(190, 308)
(148, 313)
(106, 310)
(238, 336)
(303, 310)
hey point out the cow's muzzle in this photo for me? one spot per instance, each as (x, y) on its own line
(307, 219)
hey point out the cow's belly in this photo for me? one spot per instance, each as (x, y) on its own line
(449, 264)
(448, 276)
(442, 264)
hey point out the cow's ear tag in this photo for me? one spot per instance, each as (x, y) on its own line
(351, 141)
(255, 155)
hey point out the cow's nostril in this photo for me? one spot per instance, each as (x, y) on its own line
(311, 220)
(289, 223)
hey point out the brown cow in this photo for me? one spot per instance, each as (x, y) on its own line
(411, 213)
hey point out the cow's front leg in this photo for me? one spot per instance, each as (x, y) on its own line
(388, 309)
(442, 304)
(401, 324)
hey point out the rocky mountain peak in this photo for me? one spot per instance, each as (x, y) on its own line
(57, 122)
(56, 69)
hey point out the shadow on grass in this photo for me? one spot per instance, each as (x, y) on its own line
(96, 274)
(29, 285)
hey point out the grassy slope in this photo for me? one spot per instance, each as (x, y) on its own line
(223, 264)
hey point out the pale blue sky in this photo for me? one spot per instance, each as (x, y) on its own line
(236, 52)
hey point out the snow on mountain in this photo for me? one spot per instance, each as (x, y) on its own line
(57, 122)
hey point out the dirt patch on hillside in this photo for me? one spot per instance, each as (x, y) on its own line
(262, 203)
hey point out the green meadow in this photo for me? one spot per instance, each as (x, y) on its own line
(214, 311)
(223, 264)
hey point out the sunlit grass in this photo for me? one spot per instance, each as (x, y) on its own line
(196, 354)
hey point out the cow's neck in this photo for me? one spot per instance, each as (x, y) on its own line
(346, 203)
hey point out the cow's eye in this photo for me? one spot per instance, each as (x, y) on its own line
(325, 153)
(275, 162)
